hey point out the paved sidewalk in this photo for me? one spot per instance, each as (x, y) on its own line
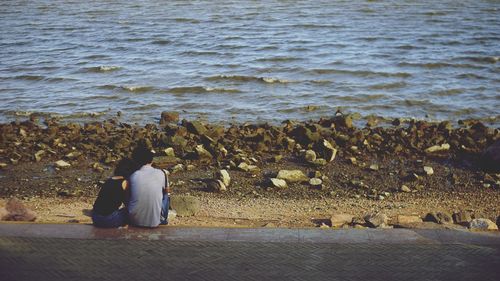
(82, 252)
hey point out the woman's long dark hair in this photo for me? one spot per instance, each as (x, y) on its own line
(125, 168)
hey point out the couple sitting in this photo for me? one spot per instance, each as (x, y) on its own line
(143, 190)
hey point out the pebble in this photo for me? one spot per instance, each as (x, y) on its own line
(279, 183)
(405, 188)
(428, 170)
(62, 164)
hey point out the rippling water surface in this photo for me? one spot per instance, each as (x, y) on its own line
(250, 60)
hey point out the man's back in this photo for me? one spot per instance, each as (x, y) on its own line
(146, 187)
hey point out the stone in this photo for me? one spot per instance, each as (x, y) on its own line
(38, 155)
(463, 218)
(404, 219)
(316, 182)
(178, 168)
(404, 188)
(279, 183)
(292, 176)
(16, 211)
(223, 175)
(339, 220)
(490, 158)
(376, 220)
(374, 167)
(62, 164)
(196, 127)
(328, 152)
(164, 162)
(169, 152)
(319, 162)
(310, 155)
(3, 165)
(428, 170)
(437, 148)
(169, 117)
(482, 224)
(243, 167)
(438, 217)
(185, 205)
(217, 185)
(172, 214)
(202, 153)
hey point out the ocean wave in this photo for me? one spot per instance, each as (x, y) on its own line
(432, 65)
(30, 77)
(482, 59)
(201, 90)
(448, 92)
(133, 89)
(278, 59)
(360, 73)
(361, 97)
(186, 20)
(243, 78)
(103, 68)
(385, 86)
(161, 42)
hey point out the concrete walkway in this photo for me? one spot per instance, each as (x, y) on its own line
(82, 252)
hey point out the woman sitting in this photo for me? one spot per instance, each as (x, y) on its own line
(106, 211)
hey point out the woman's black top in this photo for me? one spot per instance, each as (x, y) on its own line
(110, 198)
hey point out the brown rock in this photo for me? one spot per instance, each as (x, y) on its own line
(438, 217)
(490, 159)
(404, 219)
(196, 127)
(18, 212)
(169, 117)
(482, 224)
(292, 176)
(376, 220)
(339, 220)
(463, 218)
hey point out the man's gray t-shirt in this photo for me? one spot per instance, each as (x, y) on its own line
(146, 194)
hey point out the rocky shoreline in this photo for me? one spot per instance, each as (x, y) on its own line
(324, 159)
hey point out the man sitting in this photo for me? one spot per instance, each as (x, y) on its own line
(149, 189)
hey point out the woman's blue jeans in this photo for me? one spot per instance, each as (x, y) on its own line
(116, 219)
(165, 204)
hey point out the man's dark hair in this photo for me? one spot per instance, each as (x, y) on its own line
(125, 168)
(142, 155)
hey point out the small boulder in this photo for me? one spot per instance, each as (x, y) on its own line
(316, 183)
(62, 164)
(196, 127)
(310, 155)
(374, 167)
(482, 224)
(292, 176)
(185, 205)
(438, 217)
(169, 117)
(437, 148)
(490, 158)
(202, 153)
(463, 218)
(279, 183)
(16, 211)
(169, 152)
(339, 220)
(223, 175)
(428, 170)
(405, 188)
(376, 220)
(404, 219)
(217, 185)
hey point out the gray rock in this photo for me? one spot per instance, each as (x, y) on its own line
(196, 127)
(223, 175)
(16, 211)
(482, 224)
(490, 158)
(376, 220)
(172, 214)
(428, 170)
(202, 153)
(62, 164)
(292, 176)
(463, 218)
(316, 182)
(169, 117)
(217, 185)
(404, 188)
(310, 155)
(438, 217)
(279, 183)
(185, 205)
(404, 219)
